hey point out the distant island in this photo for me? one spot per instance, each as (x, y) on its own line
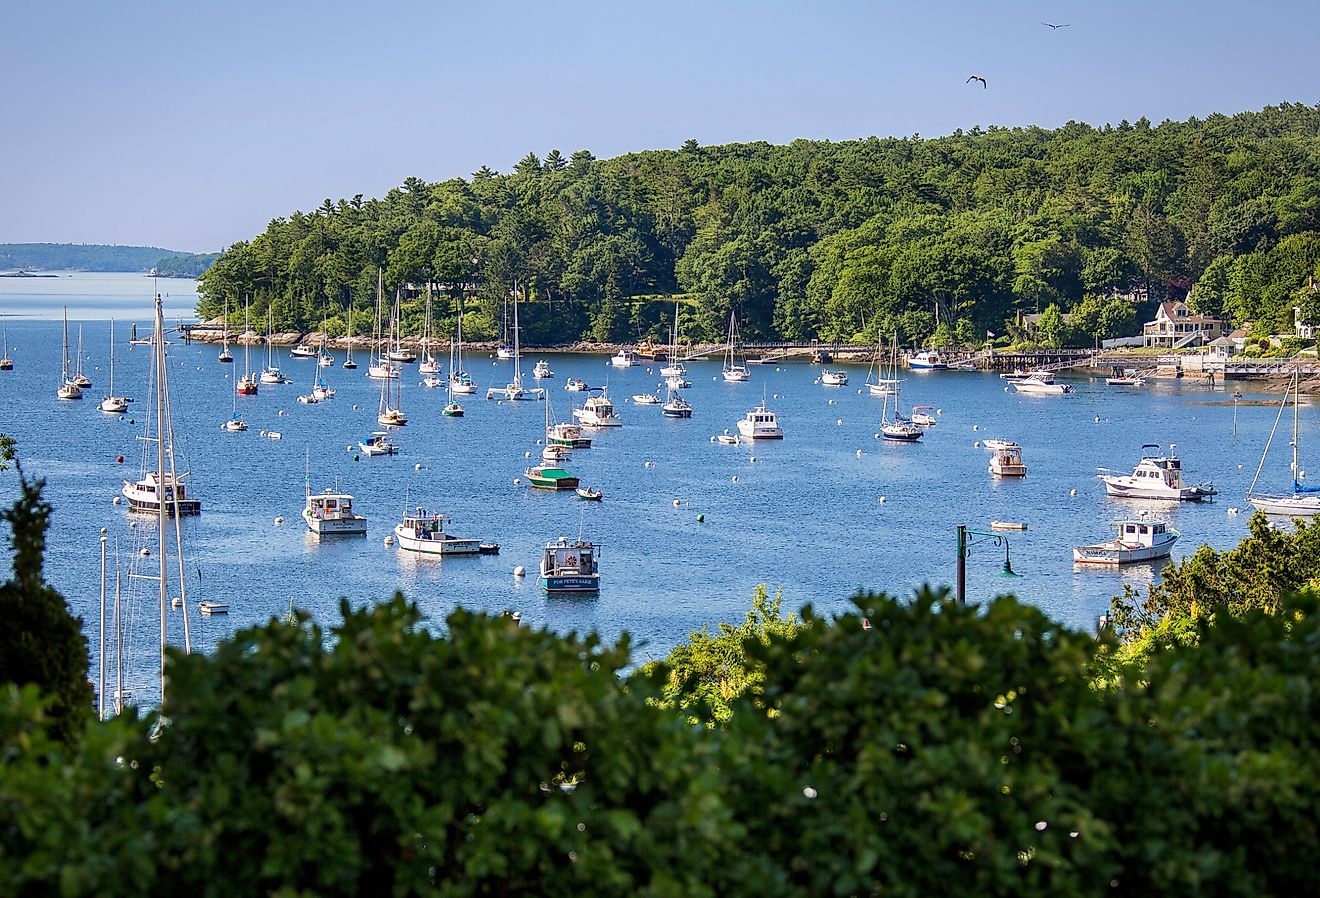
(38, 257)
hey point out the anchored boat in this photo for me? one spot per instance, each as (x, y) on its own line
(1136, 540)
(425, 534)
(331, 514)
(1007, 461)
(570, 567)
(1156, 476)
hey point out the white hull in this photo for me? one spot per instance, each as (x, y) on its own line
(114, 405)
(590, 419)
(448, 545)
(462, 388)
(382, 372)
(749, 431)
(1038, 388)
(1117, 553)
(736, 375)
(340, 527)
(884, 388)
(1128, 488)
(1287, 506)
(834, 378)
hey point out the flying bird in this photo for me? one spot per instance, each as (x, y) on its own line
(977, 78)
(1054, 27)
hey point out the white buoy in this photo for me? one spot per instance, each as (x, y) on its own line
(1005, 389)
(712, 439)
(676, 503)
(417, 467)
(1232, 511)
(751, 459)
(116, 501)
(877, 436)
(527, 455)
(859, 453)
(1097, 419)
(650, 464)
(348, 448)
(976, 427)
(838, 422)
(389, 540)
(976, 445)
(280, 413)
(1072, 492)
(538, 442)
(859, 392)
(939, 411)
(734, 478)
(519, 572)
(882, 500)
(354, 408)
(516, 481)
(145, 552)
(279, 519)
(831, 402)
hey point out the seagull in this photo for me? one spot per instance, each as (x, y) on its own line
(976, 78)
(1054, 27)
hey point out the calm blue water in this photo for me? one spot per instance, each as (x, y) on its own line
(803, 516)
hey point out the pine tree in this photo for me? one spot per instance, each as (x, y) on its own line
(41, 642)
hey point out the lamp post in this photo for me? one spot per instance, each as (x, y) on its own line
(965, 543)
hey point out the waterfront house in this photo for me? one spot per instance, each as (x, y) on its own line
(1175, 326)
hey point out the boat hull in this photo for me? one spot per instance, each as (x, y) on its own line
(557, 583)
(1119, 487)
(447, 545)
(1109, 554)
(335, 527)
(1287, 506)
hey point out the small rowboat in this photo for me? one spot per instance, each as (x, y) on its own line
(589, 495)
(1008, 525)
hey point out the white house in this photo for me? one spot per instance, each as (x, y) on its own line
(1175, 327)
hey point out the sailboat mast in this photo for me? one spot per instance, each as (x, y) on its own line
(119, 644)
(100, 691)
(158, 348)
(517, 344)
(112, 358)
(1297, 400)
(64, 377)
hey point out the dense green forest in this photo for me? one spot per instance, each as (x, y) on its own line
(101, 257)
(918, 747)
(944, 237)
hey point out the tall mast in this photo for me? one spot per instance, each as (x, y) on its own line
(112, 358)
(119, 644)
(64, 377)
(1297, 399)
(517, 345)
(100, 692)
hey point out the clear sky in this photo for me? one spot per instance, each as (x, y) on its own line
(189, 124)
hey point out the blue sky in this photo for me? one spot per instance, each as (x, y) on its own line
(190, 124)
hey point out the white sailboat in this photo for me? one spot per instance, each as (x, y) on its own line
(112, 404)
(460, 381)
(674, 372)
(379, 366)
(429, 363)
(733, 372)
(1303, 501)
(514, 390)
(6, 363)
(79, 378)
(224, 355)
(505, 350)
(271, 374)
(899, 429)
(390, 410)
(882, 385)
(67, 389)
(348, 361)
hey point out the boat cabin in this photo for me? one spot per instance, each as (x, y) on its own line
(1166, 469)
(330, 506)
(565, 559)
(1141, 533)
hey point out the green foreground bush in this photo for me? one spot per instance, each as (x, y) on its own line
(946, 750)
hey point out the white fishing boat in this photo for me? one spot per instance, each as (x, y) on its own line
(598, 411)
(308, 399)
(570, 567)
(432, 382)
(514, 391)
(1006, 461)
(575, 385)
(567, 435)
(1303, 501)
(331, 514)
(733, 372)
(760, 423)
(1156, 476)
(645, 399)
(1039, 386)
(378, 444)
(112, 404)
(1136, 540)
(624, 358)
(325, 360)
(927, 360)
(224, 355)
(727, 439)
(834, 378)
(542, 370)
(303, 351)
(160, 491)
(425, 534)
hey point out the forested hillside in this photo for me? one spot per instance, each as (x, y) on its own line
(943, 237)
(95, 257)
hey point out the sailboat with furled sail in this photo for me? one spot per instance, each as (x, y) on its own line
(460, 381)
(224, 336)
(247, 384)
(1303, 501)
(514, 390)
(112, 404)
(67, 389)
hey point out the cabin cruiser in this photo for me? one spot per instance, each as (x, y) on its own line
(303, 351)
(331, 514)
(927, 360)
(570, 567)
(1136, 540)
(1006, 461)
(1041, 385)
(1156, 476)
(645, 399)
(575, 385)
(760, 424)
(425, 534)
(378, 444)
(145, 495)
(598, 411)
(921, 415)
(834, 378)
(542, 370)
(624, 358)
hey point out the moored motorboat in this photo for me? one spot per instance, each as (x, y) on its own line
(921, 415)
(1006, 461)
(378, 444)
(1136, 540)
(624, 358)
(834, 378)
(145, 495)
(568, 435)
(425, 534)
(550, 477)
(645, 399)
(570, 567)
(927, 360)
(331, 514)
(542, 370)
(598, 411)
(304, 351)
(760, 423)
(1156, 476)
(575, 385)
(676, 406)
(210, 606)
(587, 494)
(1040, 386)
